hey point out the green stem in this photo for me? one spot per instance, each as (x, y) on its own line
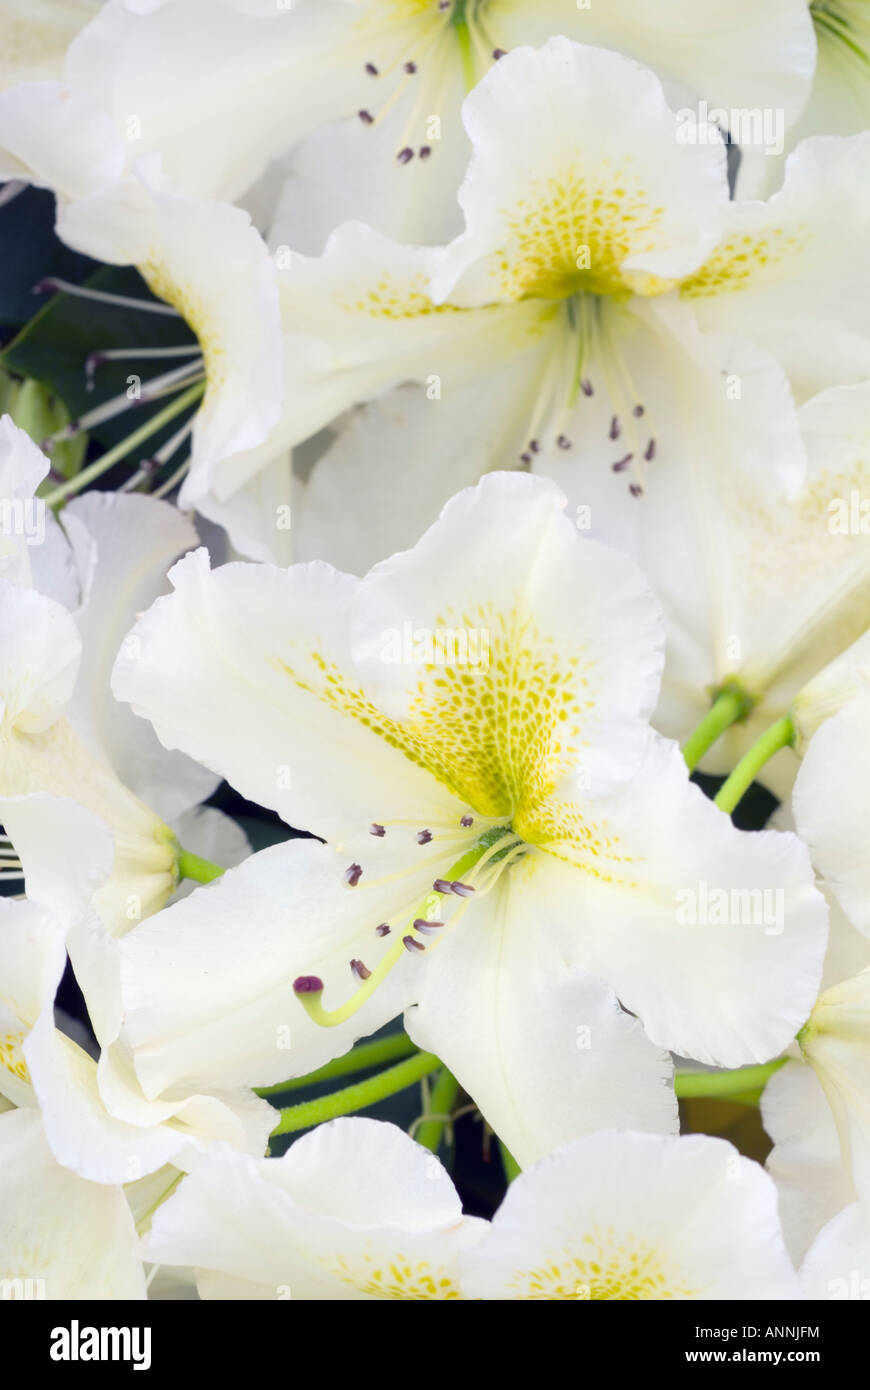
(192, 866)
(441, 1102)
(358, 1097)
(368, 1054)
(511, 1168)
(126, 446)
(779, 735)
(725, 1085)
(729, 706)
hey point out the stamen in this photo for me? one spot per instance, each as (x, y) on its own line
(426, 928)
(563, 442)
(152, 390)
(366, 117)
(635, 489)
(423, 837)
(148, 467)
(462, 890)
(308, 984)
(615, 428)
(497, 844)
(52, 285)
(372, 70)
(359, 970)
(352, 875)
(383, 930)
(378, 830)
(467, 821)
(649, 452)
(441, 885)
(637, 412)
(406, 155)
(622, 463)
(96, 359)
(424, 151)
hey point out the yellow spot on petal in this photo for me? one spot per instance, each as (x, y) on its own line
(12, 1057)
(746, 260)
(393, 298)
(609, 1265)
(397, 1277)
(500, 734)
(574, 232)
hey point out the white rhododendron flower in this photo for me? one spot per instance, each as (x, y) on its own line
(635, 1216)
(296, 1228)
(66, 602)
(508, 817)
(207, 263)
(570, 303)
(96, 1119)
(763, 579)
(613, 1216)
(434, 516)
(221, 89)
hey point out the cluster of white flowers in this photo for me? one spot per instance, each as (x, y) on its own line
(551, 320)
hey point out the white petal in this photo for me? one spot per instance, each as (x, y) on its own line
(832, 807)
(106, 1135)
(542, 1047)
(739, 55)
(635, 1216)
(208, 262)
(359, 320)
(805, 1163)
(77, 1236)
(257, 514)
(839, 102)
(454, 440)
(276, 644)
(713, 936)
(199, 1013)
(65, 850)
(348, 170)
(219, 92)
(22, 468)
(637, 203)
(296, 1227)
(53, 136)
(136, 540)
(37, 35)
(546, 683)
(790, 272)
(838, 1264)
(32, 960)
(836, 1042)
(39, 657)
